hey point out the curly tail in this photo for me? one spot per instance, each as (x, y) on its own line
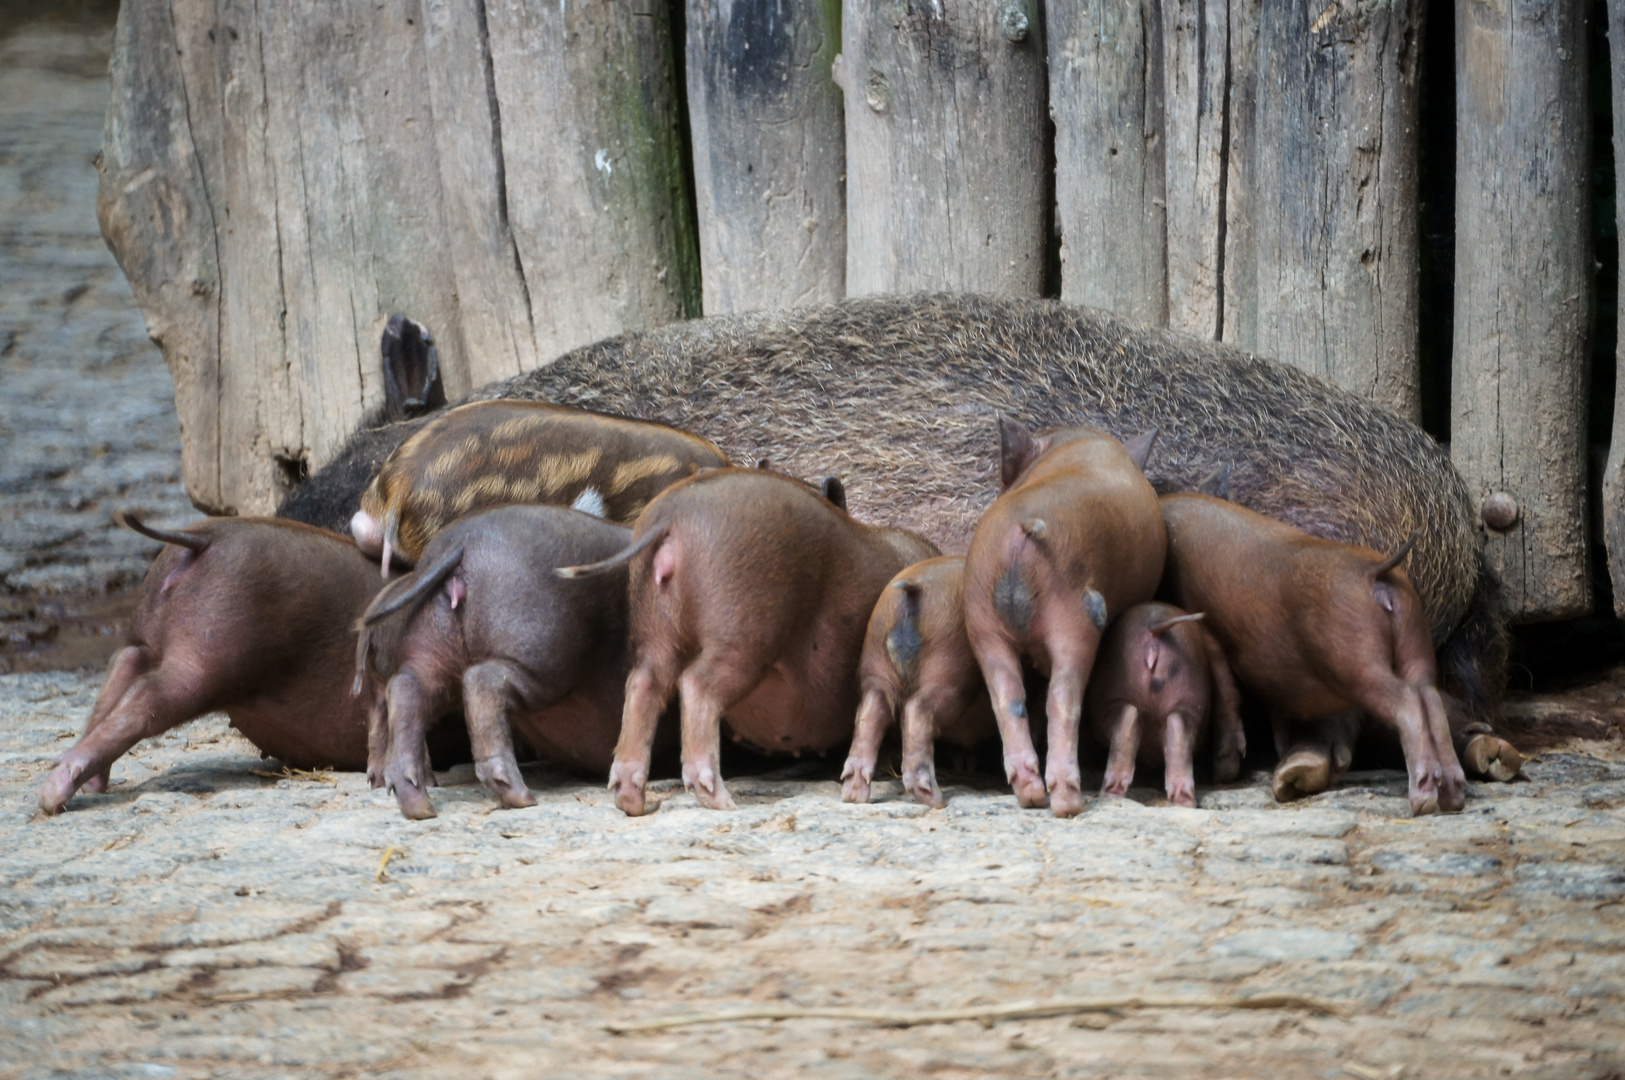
(1473, 660)
(620, 558)
(1397, 557)
(398, 594)
(192, 541)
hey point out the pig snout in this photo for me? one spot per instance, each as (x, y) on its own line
(368, 533)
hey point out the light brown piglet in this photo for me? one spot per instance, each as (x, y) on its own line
(1076, 537)
(1316, 628)
(749, 593)
(917, 658)
(1159, 683)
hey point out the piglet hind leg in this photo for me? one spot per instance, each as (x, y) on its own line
(919, 758)
(649, 688)
(490, 692)
(706, 689)
(1179, 779)
(407, 773)
(1002, 670)
(1401, 707)
(132, 706)
(1125, 746)
(1061, 773)
(874, 717)
(1452, 780)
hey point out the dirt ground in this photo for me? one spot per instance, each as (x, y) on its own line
(212, 915)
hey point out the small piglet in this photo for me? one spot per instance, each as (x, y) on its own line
(1315, 628)
(750, 593)
(495, 453)
(250, 616)
(916, 657)
(484, 626)
(1076, 537)
(1150, 700)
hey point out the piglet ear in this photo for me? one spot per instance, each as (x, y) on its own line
(833, 490)
(1139, 447)
(411, 363)
(1017, 450)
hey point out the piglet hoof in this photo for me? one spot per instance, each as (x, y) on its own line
(702, 778)
(1227, 766)
(96, 784)
(1307, 770)
(855, 779)
(505, 784)
(1452, 786)
(626, 780)
(1492, 758)
(414, 804)
(1182, 793)
(920, 781)
(1066, 799)
(1424, 791)
(1023, 776)
(1116, 783)
(58, 788)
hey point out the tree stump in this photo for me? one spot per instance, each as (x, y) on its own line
(945, 146)
(769, 152)
(278, 179)
(1523, 293)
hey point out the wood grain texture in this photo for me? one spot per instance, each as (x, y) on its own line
(769, 150)
(1613, 483)
(1106, 93)
(1196, 43)
(944, 145)
(338, 162)
(1523, 290)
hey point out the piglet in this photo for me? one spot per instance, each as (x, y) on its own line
(916, 657)
(249, 616)
(1076, 537)
(1316, 628)
(750, 593)
(1150, 700)
(483, 625)
(495, 453)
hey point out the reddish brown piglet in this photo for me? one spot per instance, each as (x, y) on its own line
(1151, 698)
(916, 657)
(1316, 628)
(749, 593)
(485, 627)
(1076, 538)
(249, 616)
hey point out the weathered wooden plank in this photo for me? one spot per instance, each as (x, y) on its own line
(1523, 290)
(1238, 283)
(1333, 187)
(1106, 98)
(1613, 483)
(769, 152)
(944, 145)
(1196, 42)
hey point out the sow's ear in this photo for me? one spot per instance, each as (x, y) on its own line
(1139, 447)
(412, 383)
(1017, 450)
(833, 490)
(1217, 483)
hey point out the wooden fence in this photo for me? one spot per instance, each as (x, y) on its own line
(278, 178)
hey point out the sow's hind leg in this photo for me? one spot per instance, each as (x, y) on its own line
(491, 691)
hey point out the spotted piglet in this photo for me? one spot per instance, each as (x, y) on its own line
(1151, 699)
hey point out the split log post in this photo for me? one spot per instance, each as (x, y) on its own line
(944, 146)
(769, 152)
(277, 179)
(1613, 483)
(1196, 43)
(1523, 294)
(1105, 92)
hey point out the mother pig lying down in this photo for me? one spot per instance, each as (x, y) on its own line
(899, 394)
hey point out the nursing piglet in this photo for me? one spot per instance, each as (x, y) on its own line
(916, 657)
(1152, 696)
(247, 616)
(484, 626)
(749, 593)
(1076, 537)
(1316, 628)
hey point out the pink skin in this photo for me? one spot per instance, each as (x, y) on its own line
(369, 535)
(1075, 538)
(1151, 696)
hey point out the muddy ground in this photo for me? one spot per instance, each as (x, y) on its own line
(212, 915)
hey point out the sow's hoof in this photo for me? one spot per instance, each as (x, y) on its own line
(1492, 758)
(1307, 770)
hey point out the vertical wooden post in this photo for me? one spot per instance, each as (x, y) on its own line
(944, 145)
(1196, 39)
(769, 152)
(1613, 481)
(1105, 89)
(1523, 293)
(1333, 191)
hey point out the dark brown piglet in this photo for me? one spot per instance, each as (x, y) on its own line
(1316, 628)
(495, 453)
(750, 593)
(917, 658)
(1076, 537)
(1158, 684)
(249, 616)
(483, 625)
